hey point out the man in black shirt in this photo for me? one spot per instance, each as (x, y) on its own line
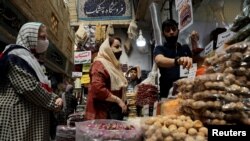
(170, 56)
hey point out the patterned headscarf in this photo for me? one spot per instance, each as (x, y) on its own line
(112, 65)
(28, 37)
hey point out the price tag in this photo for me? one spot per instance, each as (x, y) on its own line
(155, 108)
(208, 49)
(183, 72)
(85, 79)
(145, 111)
(188, 73)
(86, 67)
(192, 71)
(223, 37)
(76, 74)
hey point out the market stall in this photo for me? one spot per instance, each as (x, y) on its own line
(217, 96)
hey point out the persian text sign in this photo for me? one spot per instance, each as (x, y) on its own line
(82, 57)
(92, 10)
(209, 48)
(223, 37)
(76, 74)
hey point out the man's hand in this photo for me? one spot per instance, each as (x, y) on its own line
(186, 62)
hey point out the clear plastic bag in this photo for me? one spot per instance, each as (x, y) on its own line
(65, 133)
(132, 30)
(81, 34)
(104, 129)
(152, 76)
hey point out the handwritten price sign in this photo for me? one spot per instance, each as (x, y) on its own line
(223, 37)
(209, 48)
(76, 74)
(82, 57)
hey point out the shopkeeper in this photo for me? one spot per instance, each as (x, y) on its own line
(170, 56)
(107, 83)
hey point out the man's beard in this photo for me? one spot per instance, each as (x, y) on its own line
(172, 40)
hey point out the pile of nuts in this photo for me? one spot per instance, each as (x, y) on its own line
(222, 95)
(170, 128)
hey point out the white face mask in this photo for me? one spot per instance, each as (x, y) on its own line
(42, 46)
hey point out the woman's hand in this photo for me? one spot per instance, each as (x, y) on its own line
(122, 105)
(59, 104)
(115, 99)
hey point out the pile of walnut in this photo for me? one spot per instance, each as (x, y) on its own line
(221, 96)
(131, 104)
(171, 128)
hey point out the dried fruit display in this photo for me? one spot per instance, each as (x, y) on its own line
(222, 95)
(147, 94)
(104, 129)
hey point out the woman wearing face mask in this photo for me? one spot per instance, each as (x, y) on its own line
(107, 84)
(26, 98)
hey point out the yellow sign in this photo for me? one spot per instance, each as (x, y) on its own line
(86, 67)
(85, 79)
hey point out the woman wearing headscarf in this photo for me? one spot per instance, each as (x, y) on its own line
(26, 98)
(107, 83)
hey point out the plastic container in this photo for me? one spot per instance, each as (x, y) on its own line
(65, 133)
(107, 130)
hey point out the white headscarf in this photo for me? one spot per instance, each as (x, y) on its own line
(28, 37)
(112, 65)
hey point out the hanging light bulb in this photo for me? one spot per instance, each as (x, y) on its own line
(140, 42)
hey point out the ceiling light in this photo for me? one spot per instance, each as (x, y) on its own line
(140, 42)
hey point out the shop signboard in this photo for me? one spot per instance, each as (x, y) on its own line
(99, 10)
(82, 57)
(185, 13)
